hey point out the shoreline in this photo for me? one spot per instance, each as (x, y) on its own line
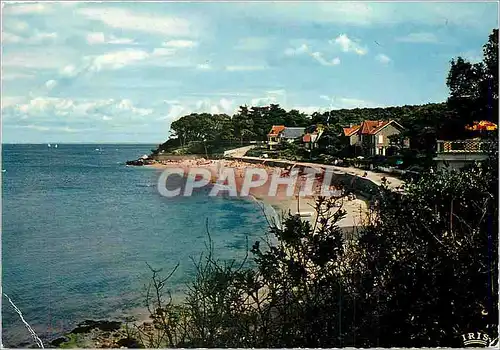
(356, 208)
(274, 208)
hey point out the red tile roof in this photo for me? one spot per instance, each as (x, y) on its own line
(351, 130)
(371, 127)
(276, 129)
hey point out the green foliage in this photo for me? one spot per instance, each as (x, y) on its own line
(292, 151)
(258, 152)
(421, 273)
(433, 258)
(473, 90)
(216, 130)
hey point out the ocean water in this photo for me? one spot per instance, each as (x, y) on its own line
(78, 227)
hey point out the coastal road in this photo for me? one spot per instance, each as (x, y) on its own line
(238, 152)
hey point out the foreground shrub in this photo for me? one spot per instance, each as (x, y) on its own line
(421, 273)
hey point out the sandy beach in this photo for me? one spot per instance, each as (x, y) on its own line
(356, 207)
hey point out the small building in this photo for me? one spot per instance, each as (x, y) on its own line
(372, 137)
(458, 154)
(273, 138)
(281, 133)
(312, 136)
(291, 134)
(351, 133)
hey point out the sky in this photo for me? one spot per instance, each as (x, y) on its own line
(123, 71)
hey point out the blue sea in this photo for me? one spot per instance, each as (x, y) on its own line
(79, 226)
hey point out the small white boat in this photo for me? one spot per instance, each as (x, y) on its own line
(55, 146)
(49, 145)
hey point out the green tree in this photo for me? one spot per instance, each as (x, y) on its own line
(473, 90)
(429, 261)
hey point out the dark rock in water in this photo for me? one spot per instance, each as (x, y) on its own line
(26, 345)
(138, 162)
(59, 341)
(88, 325)
(130, 343)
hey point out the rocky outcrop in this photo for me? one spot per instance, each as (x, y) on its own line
(97, 334)
(140, 162)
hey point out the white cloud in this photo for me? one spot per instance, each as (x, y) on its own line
(47, 128)
(16, 26)
(50, 84)
(207, 106)
(99, 38)
(114, 40)
(335, 102)
(244, 68)
(279, 92)
(49, 107)
(180, 43)
(474, 56)
(225, 94)
(309, 109)
(227, 105)
(117, 59)
(204, 66)
(24, 9)
(69, 71)
(8, 38)
(365, 14)
(37, 127)
(150, 23)
(270, 97)
(422, 37)
(37, 38)
(105, 117)
(263, 101)
(350, 103)
(178, 109)
(38, 58)
(161, 51)
(127, 105)
(95, 38)
(348, 45)
(297, 51)
(15, 76)
(384, 59)
(8, 101)
(40, 36)
(318, 56)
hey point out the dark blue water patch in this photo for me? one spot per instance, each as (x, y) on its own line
(79, 227)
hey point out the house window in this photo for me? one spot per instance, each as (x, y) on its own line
(380, 138)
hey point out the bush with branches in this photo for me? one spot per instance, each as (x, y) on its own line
(422, 272)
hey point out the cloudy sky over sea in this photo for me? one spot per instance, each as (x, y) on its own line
(122, 72)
